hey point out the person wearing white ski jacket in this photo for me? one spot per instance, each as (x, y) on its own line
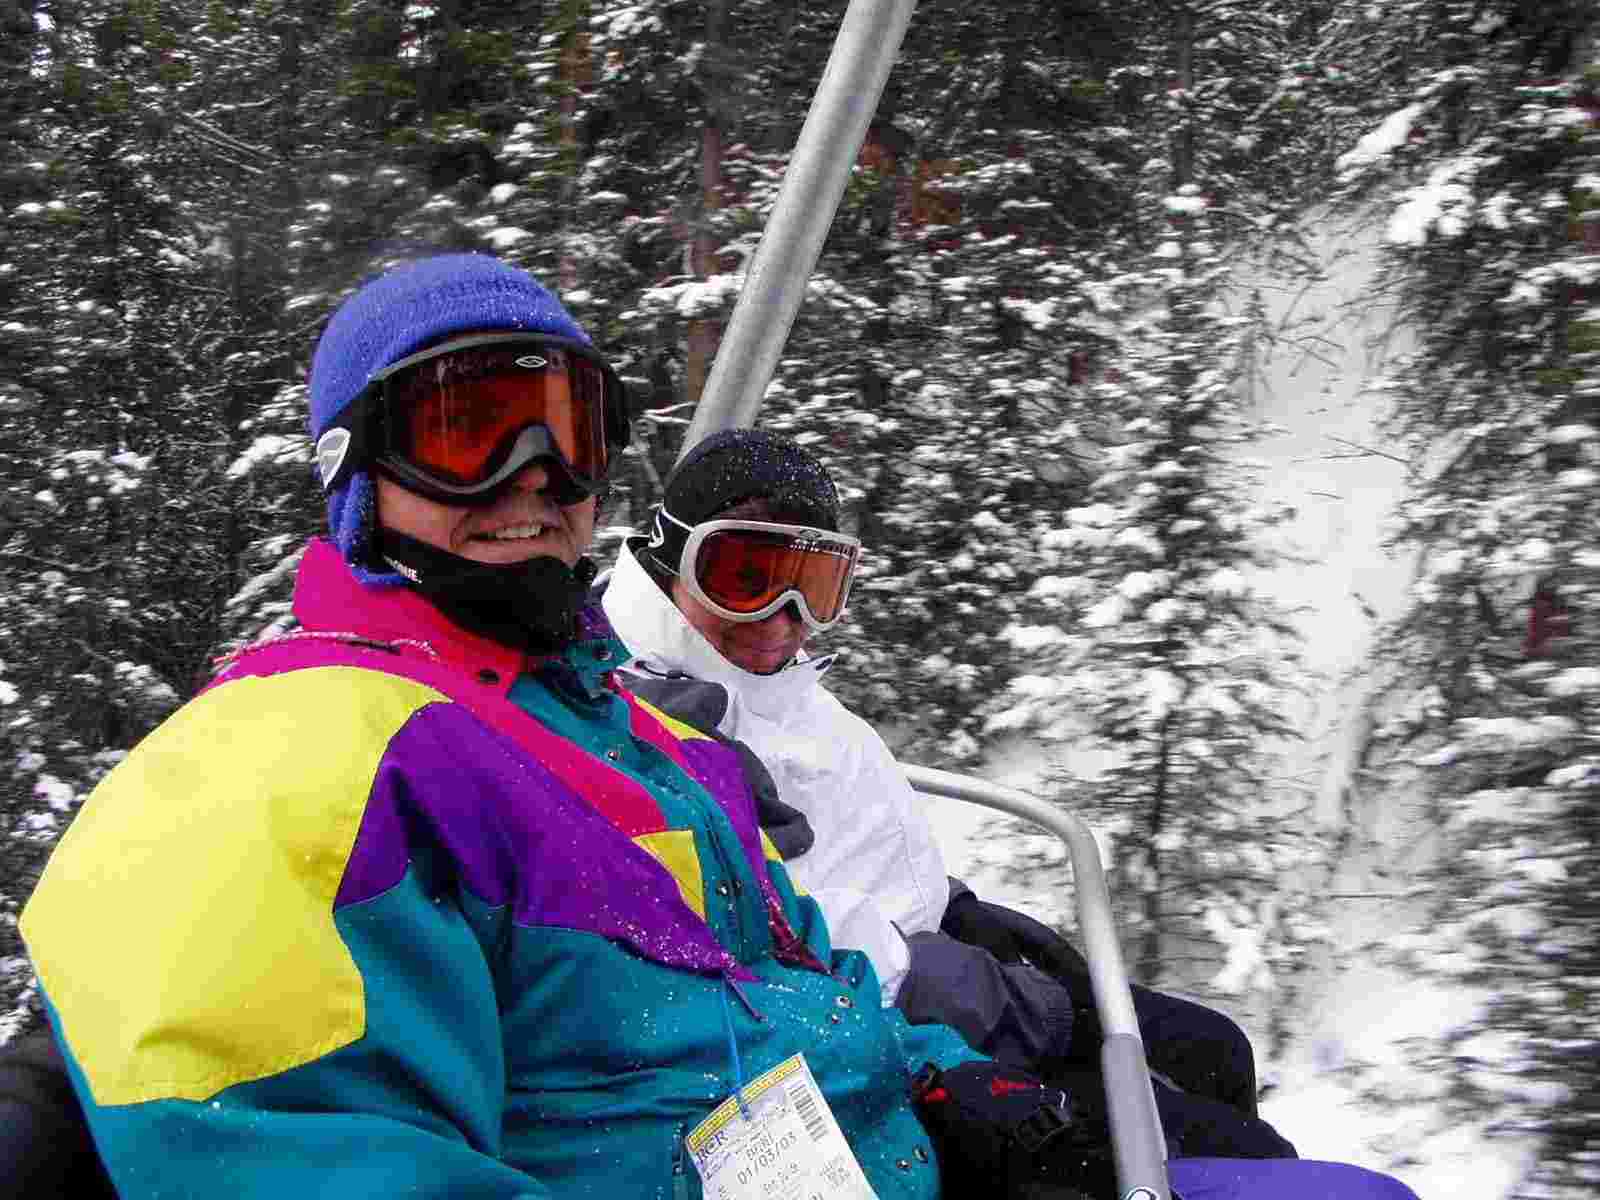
(879, 873)
(744, 562)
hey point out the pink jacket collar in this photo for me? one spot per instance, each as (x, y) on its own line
(328, 598)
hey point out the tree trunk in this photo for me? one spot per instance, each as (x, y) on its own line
(705, 333)
(1183, 36)
(576, 74)
(1149, 964)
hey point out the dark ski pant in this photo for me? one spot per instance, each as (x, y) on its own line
(1201, 1050)
(45, 1149)
(1205, 1078)
(1197, 1048)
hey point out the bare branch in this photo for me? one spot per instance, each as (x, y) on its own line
(1365, 451)
(223, 141)
(67, 568)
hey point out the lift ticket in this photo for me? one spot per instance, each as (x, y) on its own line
(782, 1145)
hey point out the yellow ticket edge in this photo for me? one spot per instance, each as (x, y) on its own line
(750, 1093)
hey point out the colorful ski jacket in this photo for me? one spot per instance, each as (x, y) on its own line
(390, 910)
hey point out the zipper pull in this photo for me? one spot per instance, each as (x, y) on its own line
(733, 986)
(680, 1176)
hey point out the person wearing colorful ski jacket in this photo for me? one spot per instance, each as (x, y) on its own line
(418, 900)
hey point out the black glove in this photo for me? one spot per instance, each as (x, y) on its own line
(1000, 1132)
(45, 1147)
(1016, 937)
(967, 920)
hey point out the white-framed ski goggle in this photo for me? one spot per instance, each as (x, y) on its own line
(748, 570)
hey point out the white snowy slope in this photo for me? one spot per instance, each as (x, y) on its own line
(1345, 1088)
(1342, 1089)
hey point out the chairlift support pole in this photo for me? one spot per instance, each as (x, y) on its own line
(775, 283)
(1138, 1143)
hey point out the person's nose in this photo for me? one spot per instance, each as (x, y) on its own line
(535, 477)
(788, 617)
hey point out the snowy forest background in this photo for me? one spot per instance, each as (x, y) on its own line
(1084, 260)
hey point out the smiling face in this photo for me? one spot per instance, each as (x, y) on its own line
(523, 522)
(760, 647)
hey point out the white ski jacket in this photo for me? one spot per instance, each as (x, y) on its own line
(875, 868)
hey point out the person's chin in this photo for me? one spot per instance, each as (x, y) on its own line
(768, 662)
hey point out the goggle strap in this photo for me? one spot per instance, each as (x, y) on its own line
(473, 340)
(662, 538)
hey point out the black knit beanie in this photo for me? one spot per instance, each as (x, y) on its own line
(730, 467)
(743, 464)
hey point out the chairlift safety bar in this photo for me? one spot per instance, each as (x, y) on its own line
(1139, 1145)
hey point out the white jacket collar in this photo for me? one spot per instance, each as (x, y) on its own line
(653, 629)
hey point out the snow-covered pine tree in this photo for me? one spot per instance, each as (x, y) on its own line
(683, 131)
(23, 137)
(1482, 151)
(400, 134)
(938, 353)
(109, 424)
(1158, 670)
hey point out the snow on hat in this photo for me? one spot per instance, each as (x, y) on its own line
(397, 314)
(742, 464)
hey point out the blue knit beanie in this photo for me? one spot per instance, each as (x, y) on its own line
(398, 314)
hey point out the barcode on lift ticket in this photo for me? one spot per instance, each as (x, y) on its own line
(806, 1106)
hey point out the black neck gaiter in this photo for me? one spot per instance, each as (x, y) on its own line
(531, 606)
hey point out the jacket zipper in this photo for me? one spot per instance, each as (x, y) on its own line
(730, 877)
(680, 1177)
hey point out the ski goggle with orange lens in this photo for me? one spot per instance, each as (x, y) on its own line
(457, 421)
(748, 570)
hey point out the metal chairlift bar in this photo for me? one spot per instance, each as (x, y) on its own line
(1139, 1144)
(775, 284)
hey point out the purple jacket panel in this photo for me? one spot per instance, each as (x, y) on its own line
(453, 776)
